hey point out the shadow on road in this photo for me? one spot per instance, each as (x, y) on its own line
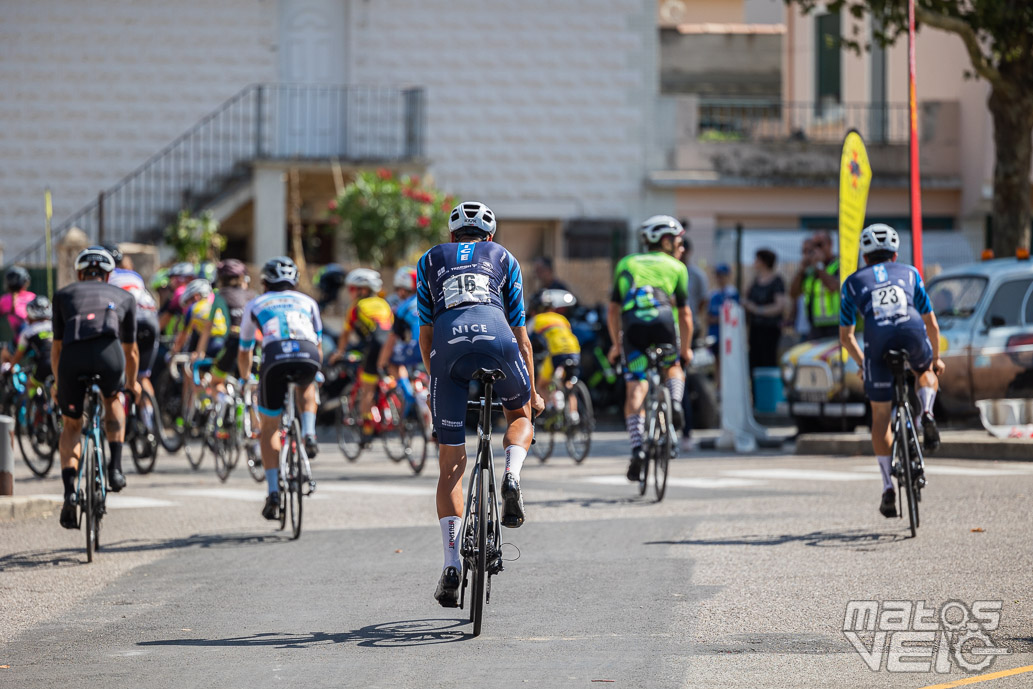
(857, 539)
(385, 635)
(590, 502)
(60, 557)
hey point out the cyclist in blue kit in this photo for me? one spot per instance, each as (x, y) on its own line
(897, 315)
(471, 308)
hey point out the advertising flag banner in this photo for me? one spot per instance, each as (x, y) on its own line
(855, 177)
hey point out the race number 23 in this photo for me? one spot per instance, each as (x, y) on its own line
(889, 303)
(466, 288)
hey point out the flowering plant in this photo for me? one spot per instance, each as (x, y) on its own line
(387, 217)
(195, 238)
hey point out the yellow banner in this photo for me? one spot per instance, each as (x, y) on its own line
(855, 177)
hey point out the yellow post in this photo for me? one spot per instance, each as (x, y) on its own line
(50, 252)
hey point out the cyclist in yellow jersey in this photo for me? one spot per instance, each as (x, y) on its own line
(550, 330)
(369, 319)
(197, 300)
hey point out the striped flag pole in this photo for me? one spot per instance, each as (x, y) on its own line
(916, 188)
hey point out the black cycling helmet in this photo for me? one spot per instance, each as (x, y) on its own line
(115, 252)
(16, 278)
(330, 277)
(280, 270)
(231, 268)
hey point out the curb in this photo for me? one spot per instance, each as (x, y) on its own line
(990, 449)
(16, 508)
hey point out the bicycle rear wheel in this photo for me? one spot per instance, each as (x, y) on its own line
(349, 426)
(222, 442)
(294, 478)
(579, 435)
(143, 441)
(481, 554)
(419, 442)
(662, 445)
(397, 443)
(88, 498)
(254, 460)
(905, 479)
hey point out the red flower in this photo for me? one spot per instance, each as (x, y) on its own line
(423, 221)
(414, 180)
(384, 173)
(332, 205)
(446, 207)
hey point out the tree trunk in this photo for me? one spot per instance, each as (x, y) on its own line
(1013, 140)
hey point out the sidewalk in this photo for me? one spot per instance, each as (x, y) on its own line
(16, 507)
(969, 444)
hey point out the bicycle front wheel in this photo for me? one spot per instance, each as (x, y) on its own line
(543, 440)
(222, 440)
(662, 445)
(907, 479)
(397, 443)
(254, 461)
(579, 410)
(419, 442)
(40, 435)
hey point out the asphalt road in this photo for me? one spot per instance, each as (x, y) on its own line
(739, 578)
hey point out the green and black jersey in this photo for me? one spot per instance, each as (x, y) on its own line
(645, 285)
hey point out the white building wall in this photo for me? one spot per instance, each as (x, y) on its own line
(539, 108)
(90, 90)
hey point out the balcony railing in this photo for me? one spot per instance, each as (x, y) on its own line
(359, 124)
(754, 121)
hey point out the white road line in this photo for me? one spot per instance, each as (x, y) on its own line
(373, 488)
(958, 471)
(705, 482)
(128, 502)
(796, 475)
(225, 493)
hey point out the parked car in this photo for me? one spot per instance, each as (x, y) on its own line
(985, 311)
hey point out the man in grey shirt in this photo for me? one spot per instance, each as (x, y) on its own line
(699, 290)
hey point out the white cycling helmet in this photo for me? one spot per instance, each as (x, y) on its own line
(879, 237)
(197, 288)
(280, 269)
(183, 269)
(364, 277)
(557, 299)
(405, 278)
(94, 257)
(472, 215)
(39, 309)
(657, 227)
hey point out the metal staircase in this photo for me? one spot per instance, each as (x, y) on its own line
(357, 124)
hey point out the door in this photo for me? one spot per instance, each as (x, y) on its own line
(993, 368)
(309, 103)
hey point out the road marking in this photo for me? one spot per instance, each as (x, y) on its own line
(956, 471)
(374, 488)
(699, 482)
(797, 475)
(128, 502)
(982, 678)
(226, 493)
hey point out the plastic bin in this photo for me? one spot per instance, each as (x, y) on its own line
(767, 389)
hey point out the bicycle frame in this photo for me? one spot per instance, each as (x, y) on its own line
(92, 431)
(286, 421)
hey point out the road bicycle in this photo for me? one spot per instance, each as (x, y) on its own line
(660, 436)
(295, 472)
(91, 487)
(906, 452)
(386, 417)
(481, 546)
(568, 413)
(143, 430)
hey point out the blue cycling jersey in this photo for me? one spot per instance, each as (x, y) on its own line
(459, 275)
(407, 319)
(889, 295)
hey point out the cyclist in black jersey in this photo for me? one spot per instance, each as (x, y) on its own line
(35, 340)
(231, 297)
(91, 320)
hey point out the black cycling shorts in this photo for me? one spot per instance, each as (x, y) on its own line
(371, 352)
(147, 341)
(225, 363)
(640, 336)
(104, 357)
(283, 362)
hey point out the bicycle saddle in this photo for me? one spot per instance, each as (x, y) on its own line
(896, 359)
(89, 378)
(489, 374)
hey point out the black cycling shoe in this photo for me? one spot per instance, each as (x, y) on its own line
(69, 518)
(447, 593)
(512, 502)
(678, 417)
(930, 433)
(116, 480)
(888, 507)
(271, 511)
(311, 446)
(638, 456)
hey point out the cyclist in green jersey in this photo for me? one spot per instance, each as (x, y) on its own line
(651, 294)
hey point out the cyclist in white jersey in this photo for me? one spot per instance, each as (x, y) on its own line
(291, 350)
(146, 312)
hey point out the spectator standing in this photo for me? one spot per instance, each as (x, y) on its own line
(698, 287)
(817, 281)
(765, 307)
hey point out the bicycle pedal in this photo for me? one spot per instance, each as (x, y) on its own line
(311, 488)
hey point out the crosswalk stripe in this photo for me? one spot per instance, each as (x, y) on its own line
(797, 475)
(698, 482)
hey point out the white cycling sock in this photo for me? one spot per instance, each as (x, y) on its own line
(450, 539)
(676, 386)
(515, 456)
(885, 469)
(634, 424)
(308, 423)
(926, 396)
